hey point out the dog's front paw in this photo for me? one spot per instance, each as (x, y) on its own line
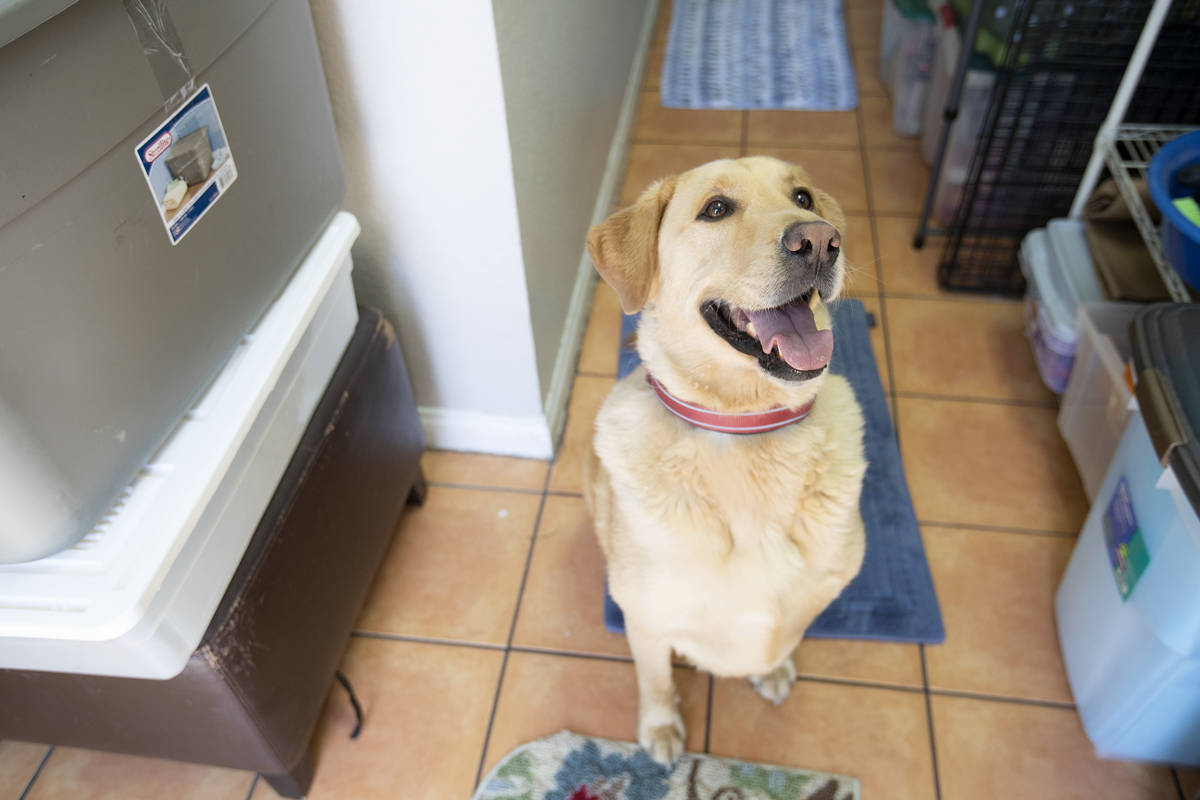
(662, 739)
(776, 684)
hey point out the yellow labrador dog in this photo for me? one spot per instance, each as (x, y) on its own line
(725, 474)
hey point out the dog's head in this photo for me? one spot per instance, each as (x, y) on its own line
(732, 264)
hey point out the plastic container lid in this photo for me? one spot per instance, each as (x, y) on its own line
(1058, 266)
(914, 9)
(1067, 278)
(1166, 353)
(19, 17)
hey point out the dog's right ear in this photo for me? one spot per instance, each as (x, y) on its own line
(624, 247)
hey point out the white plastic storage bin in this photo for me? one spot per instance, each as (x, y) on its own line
(1059, 270)
(134, 596)
(907, 43)
(1134, 663)
(965, 132)
(1128, 607)
(1096, 404)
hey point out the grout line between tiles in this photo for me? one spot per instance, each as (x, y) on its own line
(512, 628)
(891, 390)
(41, 765)
(952, 297)
(836, 147)
(253, 784)
(994, 401)
(403, 637)
(708, 717)
(870, 198)
(1178, 784)
(937, 780)
(487, 732)
(999, 698)
(893, 405)
(893, 148)
(553, 651)
(484, 488)
(893, 214)
(863, 684)
(688, 143)
(899, 687)
(973, 526)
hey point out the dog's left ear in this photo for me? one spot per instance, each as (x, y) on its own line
(624, 247)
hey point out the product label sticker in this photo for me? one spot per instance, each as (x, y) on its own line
(187, 163)
(1126, 549)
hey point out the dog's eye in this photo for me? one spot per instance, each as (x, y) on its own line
(717, 208)
(803, 198)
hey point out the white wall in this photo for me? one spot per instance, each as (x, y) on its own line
(433, 177)
(566, 68)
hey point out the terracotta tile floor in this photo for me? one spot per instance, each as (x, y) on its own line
(483, 629)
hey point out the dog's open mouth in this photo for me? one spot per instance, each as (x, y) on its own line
(784, 339)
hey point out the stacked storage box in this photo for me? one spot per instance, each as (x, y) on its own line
(1096, 405)
(1058, 267)
(114, 313)
(1128, 606)
(134, 597)
(972, 108)
(906, 58)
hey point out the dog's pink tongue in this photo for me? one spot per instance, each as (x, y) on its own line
(793, 328)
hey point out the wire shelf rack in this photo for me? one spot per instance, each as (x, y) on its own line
(1128, 158)
(1057, 77)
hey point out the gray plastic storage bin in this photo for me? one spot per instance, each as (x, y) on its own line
(108, 331)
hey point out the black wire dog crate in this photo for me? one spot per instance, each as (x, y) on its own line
(1056, 78)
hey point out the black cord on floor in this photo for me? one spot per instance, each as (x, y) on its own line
(358, 715)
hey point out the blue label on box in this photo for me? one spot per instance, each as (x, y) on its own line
(187, 163)
(1126, 548)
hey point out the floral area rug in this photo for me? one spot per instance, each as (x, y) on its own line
(566, 766)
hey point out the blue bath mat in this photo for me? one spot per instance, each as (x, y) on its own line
(788, 54)
(892, 598)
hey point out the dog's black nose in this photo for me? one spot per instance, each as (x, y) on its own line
(815, 243)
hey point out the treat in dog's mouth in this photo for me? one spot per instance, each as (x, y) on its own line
(785, 339)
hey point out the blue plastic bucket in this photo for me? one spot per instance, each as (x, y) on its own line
(1180, 237)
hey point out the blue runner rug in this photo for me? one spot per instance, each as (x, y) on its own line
(788, 54)
(893, 597)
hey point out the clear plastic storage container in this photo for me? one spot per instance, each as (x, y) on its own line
(1059, 270)
(1128, 607)
(906, 48)
(972, 108)
(1096, 404)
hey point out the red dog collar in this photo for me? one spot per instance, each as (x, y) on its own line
(721, 422)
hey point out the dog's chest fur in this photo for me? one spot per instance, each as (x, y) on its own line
(729, 545)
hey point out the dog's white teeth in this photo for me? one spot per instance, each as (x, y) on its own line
(775, 352)
(750, 330)
(815, 300)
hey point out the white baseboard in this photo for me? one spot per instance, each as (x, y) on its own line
(477, 432)
(559, 392)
